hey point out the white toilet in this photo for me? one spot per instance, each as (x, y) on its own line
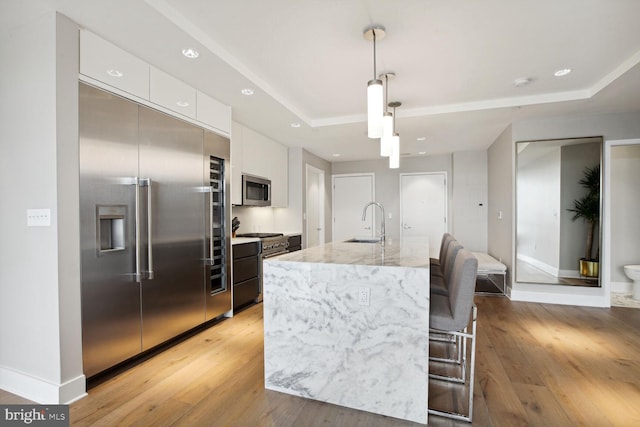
(633, 273)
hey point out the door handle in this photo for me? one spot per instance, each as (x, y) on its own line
(146, 182)
(210, 261)
(137, 276)
(405, 226)
(367, 228)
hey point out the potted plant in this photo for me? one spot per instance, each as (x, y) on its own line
(588, 208)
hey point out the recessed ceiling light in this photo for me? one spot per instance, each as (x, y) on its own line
(190, 53)
(247, 91)
(562, 72)
(422, 152)
(522, 81)
(336, 155)
(421, 138)
(182, 104)
(115, 73)
(295, 125)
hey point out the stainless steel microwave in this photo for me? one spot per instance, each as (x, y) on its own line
(256, 191)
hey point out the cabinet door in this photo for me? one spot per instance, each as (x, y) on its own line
(278, 173)
(236, 163)
(171, 93)
(213, 113)
(109, 64)
(255, 153)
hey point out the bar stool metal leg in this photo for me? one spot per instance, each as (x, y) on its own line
(471, 378)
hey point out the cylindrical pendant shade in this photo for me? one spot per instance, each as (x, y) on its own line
(394, 158)
(387, 134)
(375, 107)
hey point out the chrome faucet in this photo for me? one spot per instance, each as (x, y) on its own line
(364, 217)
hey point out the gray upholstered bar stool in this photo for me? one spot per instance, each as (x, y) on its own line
(441, 276)
(435, 263)
(451, 315)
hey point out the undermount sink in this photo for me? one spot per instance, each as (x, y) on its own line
(363, 240)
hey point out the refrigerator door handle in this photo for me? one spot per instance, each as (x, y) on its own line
(146, 182)
(137, 276)
(210, 260)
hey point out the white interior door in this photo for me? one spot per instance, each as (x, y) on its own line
(314, 207)
(423, 207)
(350, 194)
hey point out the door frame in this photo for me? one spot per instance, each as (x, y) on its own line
(446, 196)
(310, 168)
(333, 201)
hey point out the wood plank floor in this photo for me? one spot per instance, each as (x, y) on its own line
(537, 365)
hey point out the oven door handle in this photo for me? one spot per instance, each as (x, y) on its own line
(273, 254)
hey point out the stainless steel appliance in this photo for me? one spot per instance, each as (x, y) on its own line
(273, 244)
(154, 208)
(256, 191)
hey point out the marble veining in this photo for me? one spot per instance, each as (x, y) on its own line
(320, 343)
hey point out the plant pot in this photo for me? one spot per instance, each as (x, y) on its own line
(589, 268)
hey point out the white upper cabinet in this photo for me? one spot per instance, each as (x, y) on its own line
(278, 173)
(172, 93)
(113, 66)
(236, 163)
(213, 113)
(108, 64)
(254, 154)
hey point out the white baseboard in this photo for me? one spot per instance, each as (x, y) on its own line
(574, 274)
(549, 269)
(621, 287)
(557, 294)
(41, 391)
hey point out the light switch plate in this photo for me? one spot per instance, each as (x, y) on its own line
(38, 217)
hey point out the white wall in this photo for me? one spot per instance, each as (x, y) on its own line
(470, 199)
(502, 233)
(625, 196)
(501, 199)
(387, 181)
(40, 339)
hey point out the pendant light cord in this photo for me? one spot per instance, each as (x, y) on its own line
(375, 76)
(386, 93)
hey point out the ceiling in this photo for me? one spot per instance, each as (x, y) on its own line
(307, 61)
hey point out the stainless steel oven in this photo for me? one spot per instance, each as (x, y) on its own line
(256, 191)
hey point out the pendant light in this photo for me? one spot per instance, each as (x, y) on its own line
(394, 158)
(375, 102)
(387, 121)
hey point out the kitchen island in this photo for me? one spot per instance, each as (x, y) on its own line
(348, 324)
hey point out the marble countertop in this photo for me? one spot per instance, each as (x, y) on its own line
(412, 252)
(240, 240)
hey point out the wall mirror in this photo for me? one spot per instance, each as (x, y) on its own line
(558, 211)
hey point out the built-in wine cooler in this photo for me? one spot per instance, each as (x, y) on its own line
(217, 277)
(218, 264)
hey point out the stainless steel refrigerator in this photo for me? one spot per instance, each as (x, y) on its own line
(155, 227)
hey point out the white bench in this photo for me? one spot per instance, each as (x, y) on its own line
(488, 266)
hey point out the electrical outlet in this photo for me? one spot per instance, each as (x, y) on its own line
(38, 217)
(364, 295)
